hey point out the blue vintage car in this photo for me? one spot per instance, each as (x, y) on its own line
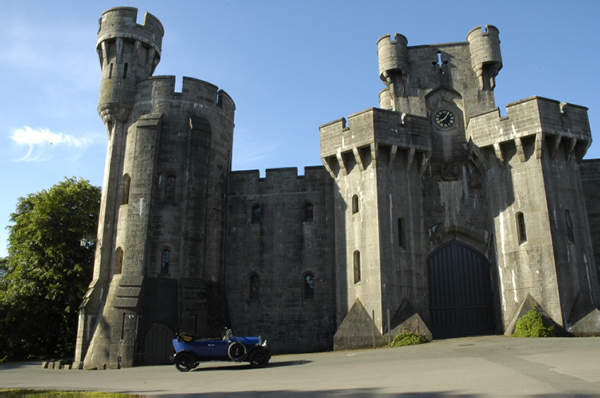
(189, 351)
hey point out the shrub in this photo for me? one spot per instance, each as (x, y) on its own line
(532, 325)
(407, 339)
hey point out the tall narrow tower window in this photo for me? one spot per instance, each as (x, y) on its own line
(110, 71)
(521, 228)
(401, 242)
(125, 72)
(256, 214)
(170, 190)
(254, 285)
(309, 286)
(308, 212)
(164, 264)
(355, 204)
(570, 233)
(126, 185)
(356, 266)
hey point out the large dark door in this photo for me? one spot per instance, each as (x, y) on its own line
(460, 291)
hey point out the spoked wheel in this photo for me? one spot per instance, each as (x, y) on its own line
(184, 362)
(259, 358)
(236, 351)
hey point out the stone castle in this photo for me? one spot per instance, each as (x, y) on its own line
(430, 213)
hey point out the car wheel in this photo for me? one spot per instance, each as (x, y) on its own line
(259, 358)
(236, 351)
(184, 362)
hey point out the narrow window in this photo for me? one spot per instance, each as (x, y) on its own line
(256, 214)
(309, 286)
(355, 204)
(125, 72)
(521, 228)
(110, 71)
(170, 190)
(356, 266)
(126, 184)
(401, 233)
(570, 233)
(254, 284)
(164, 264)
(308, 212)
(118, 261)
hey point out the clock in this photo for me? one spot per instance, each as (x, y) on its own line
(444, 118)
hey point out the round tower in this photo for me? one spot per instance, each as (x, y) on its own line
(393, 66)
(128, 52)
(486, 59)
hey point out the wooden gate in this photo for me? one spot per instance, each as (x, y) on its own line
(460, 291)
(158, 345)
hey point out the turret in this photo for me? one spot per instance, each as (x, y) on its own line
(393, 67)
(486, 59)
(128, 52)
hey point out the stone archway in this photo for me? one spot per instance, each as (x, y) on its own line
(158, 346)
(460, 291)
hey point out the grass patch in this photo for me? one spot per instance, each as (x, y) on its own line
(532, 325)
(405, 339)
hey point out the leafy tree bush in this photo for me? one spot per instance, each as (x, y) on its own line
(47, 270)
(532, 325)
(407, 339)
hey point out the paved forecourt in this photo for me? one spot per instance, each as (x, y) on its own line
(474, 365)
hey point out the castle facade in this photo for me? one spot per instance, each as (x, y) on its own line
(431, 213)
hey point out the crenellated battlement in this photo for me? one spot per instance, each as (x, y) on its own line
(194, 91)
(120, 22)
(542, 118)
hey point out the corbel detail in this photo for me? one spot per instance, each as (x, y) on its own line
(409, 159)
(499, 155)
(571, 149)
(539, 142)
(340, 160)
(328, 167)
(119, 50)
(425, 162)
(393, 150)
(150, 60)
(104, 48)
(555, 146)
(520, 150)
(358, 159)
(374, 147)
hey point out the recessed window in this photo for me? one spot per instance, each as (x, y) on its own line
(570, 232)
(164, 264)
(401, 242)
(125, 72)
(254, 287)
(521, 228)
(309, 286)
(355, 204)
(256, 214)
(118, 261)
(170, 190)
(308, 212)
(110, 71)
(356, 266)
(126, 185)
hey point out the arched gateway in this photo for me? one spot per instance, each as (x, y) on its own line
(460, 291)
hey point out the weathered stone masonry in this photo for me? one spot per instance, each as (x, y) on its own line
(433, 208)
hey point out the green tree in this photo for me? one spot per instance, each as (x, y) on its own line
(47, 271)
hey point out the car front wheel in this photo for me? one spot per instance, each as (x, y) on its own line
(259, 358)
(184, 362)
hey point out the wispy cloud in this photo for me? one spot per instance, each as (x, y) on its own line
(42, 145)
(249, 151)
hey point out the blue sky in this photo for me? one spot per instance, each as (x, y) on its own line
(290, 66)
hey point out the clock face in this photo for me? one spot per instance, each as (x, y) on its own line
(444, 118)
